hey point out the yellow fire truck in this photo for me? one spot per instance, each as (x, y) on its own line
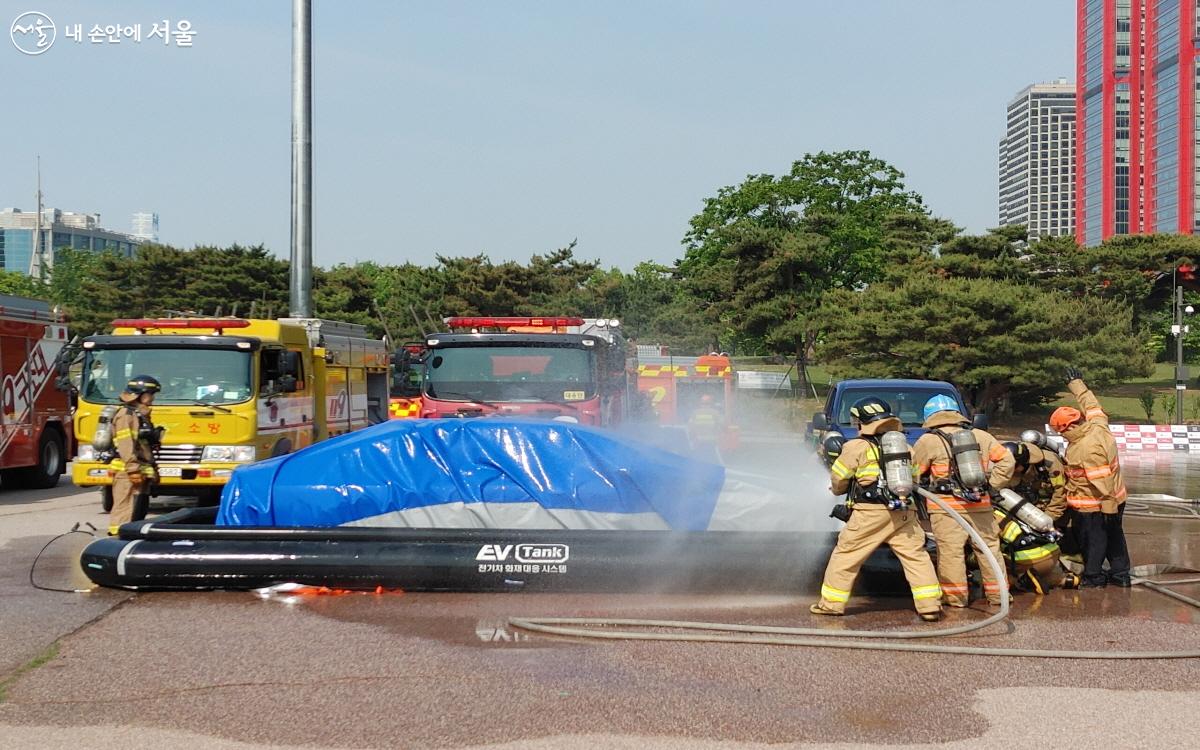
(234, 390)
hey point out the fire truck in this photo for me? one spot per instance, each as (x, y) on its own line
(676, 387)
(570, 368)
(234, 390)
(556, 367)
(35, 420)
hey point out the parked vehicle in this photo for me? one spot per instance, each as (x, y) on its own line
(906, 397)
(35, 417)
(235, 390)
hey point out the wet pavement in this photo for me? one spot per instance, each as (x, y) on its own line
(231, 669)
(1175, 473)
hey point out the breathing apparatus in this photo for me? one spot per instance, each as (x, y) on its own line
(895, 462)
(102, 438)
(1025, 512)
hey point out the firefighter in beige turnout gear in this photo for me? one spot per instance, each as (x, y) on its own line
(1094, 489)
(935, 467)
(857, 470)
(134, 436)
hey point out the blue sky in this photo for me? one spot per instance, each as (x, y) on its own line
(510, 128)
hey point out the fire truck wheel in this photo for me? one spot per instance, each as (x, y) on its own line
(106, 498)
(50, 462)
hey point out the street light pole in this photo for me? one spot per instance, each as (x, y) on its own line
(301, 255)
(1179, 329)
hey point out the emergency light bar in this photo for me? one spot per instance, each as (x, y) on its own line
(216, 324)
(463, 322)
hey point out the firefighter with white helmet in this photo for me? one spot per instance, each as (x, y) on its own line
(1031, 517)
(875, 470)
(962, 465)
(134, 438)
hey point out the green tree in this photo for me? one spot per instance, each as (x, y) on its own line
(998, 254)
(845, 196)
(999, 342)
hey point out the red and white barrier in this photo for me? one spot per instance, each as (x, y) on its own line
(1139, 438)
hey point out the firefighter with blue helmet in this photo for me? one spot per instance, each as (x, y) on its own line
(962, 465)
(875, 472)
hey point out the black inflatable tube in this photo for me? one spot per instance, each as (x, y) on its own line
(179, 551)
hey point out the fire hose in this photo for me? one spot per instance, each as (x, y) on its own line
(873, 640)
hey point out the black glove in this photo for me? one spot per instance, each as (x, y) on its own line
(1074, 373)
(1062, 522)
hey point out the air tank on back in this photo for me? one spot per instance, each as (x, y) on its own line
(965, 450)
(896, 460)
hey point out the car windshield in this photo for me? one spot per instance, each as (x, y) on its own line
(906, 403)
(510, 373)
(188, 376)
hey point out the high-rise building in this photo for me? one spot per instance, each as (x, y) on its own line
(1136, 112)
(1037, 160)
(145, 226)
(59, 229)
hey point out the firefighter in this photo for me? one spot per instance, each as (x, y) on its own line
(877, 516)
(1095, 492)
(1034, 554)
(134, 437)
(704, 426)
(962, 465)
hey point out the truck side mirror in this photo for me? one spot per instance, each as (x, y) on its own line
(820, 421)
(979, 422)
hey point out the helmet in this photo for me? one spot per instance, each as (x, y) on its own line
(831, 448)
(1063, 417)
(938, 403)
(706, 399)
(140, 384)
(869, 409)
(1034, 437)
(1020, 452)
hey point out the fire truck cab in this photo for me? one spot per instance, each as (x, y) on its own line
(566, 368)
(234, 391)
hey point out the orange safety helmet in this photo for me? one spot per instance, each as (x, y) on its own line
(1063, 417)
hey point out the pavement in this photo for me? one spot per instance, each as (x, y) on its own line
(430, 670)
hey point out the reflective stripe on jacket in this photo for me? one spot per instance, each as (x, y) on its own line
(131, 452)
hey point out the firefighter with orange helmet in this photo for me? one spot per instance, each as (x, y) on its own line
(1095, 491)
(962, 465)
(134, 437)
(877, 513)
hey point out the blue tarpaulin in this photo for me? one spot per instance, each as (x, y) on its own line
(488, 472)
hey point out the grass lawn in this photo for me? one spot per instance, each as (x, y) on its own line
(1122, 403)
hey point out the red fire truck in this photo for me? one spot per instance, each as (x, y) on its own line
(35, 418)
(677, 387)
(553, 367)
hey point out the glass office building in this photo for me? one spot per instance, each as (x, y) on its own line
(1136, 167)
(60, 229)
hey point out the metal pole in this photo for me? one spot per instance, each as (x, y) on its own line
(1180, 374)
(301, 258)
